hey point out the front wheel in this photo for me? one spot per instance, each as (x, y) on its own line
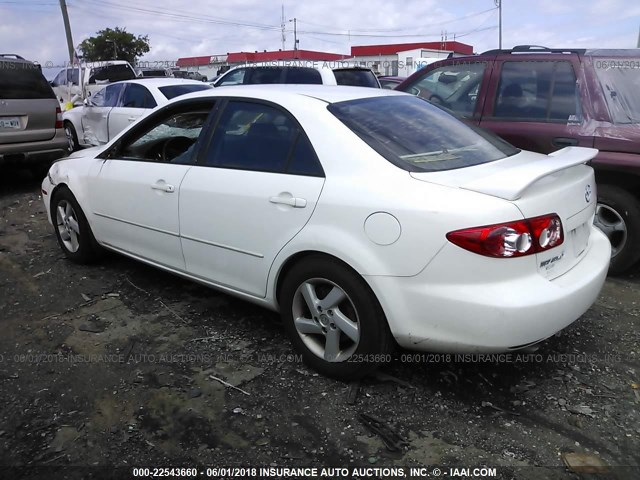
(618, 216)
(334, 319)
(72, 229)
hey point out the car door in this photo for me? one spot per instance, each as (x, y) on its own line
(95, 121)
(534, 104)
(135, 102)
(134, 196)
(255, 187)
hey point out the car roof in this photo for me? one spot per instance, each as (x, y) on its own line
(276, 92)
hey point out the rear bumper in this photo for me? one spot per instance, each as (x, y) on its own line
(35, 152)
(485, 312)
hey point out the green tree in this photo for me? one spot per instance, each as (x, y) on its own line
(114, 44)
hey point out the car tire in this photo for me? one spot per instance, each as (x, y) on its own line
(72, 136)
(349, 306)
(618, 216)
(71, 228)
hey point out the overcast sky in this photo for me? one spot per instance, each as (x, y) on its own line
(34, 28)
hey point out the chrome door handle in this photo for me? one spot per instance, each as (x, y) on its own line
(291, 201)
(163, 187)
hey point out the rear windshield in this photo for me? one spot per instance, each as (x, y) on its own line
(356, 77)
(620, 81)
(23, 80)
(112, 73)
(154, 73)
(418, 136)
(173, 91)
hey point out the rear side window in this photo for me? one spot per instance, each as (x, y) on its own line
(258, 137)
(417, 136)
(173, 91)
(539, 91)
(265, 75)
(23, 80)
(137, 96)
(356, 77)
(303, 75)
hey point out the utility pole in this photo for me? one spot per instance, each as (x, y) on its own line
(282, 23)
(67, 29)
(638, 44)
(499, 5)
(295, 34)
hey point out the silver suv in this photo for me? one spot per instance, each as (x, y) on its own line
(31, 130)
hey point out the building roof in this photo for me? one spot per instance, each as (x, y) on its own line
(394, 48)
(241, 57)
(282, 55)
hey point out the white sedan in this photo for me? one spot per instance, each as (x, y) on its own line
(112, 109)
(363, 215)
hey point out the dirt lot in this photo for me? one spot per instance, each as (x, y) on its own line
(112, 365)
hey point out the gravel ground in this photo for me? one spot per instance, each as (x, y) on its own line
(119, 364)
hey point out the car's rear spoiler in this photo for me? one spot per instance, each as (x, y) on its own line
(510, 181)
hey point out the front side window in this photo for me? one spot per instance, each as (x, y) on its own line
(169, 139)
(542, 91)
(452, 86)
(417, 136)
(97, 99)
(137, 96)
(112, 95)
(233, 78)
(258, 137)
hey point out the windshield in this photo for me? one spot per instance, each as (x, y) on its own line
(356, 77)
(417, 136)
(620, 81)
(23, 80)
(112, 73)
(173, 91)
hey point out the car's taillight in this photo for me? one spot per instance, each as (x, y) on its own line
(511, 239)
(59, 117)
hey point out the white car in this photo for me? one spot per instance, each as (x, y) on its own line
(110, 110)
(363, 215)
(299, 72)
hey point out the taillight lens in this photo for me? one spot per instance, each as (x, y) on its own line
(511, 239)
(59, 117)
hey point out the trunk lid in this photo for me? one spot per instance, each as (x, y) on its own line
(538, 184)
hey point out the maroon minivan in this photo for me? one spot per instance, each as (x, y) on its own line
(544, 99)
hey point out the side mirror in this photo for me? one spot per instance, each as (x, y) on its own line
(87, 103)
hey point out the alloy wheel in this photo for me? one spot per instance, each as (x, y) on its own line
(67, 225)
(326, 320)
(613, 226)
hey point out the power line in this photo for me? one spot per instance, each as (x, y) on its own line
(405, 28)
